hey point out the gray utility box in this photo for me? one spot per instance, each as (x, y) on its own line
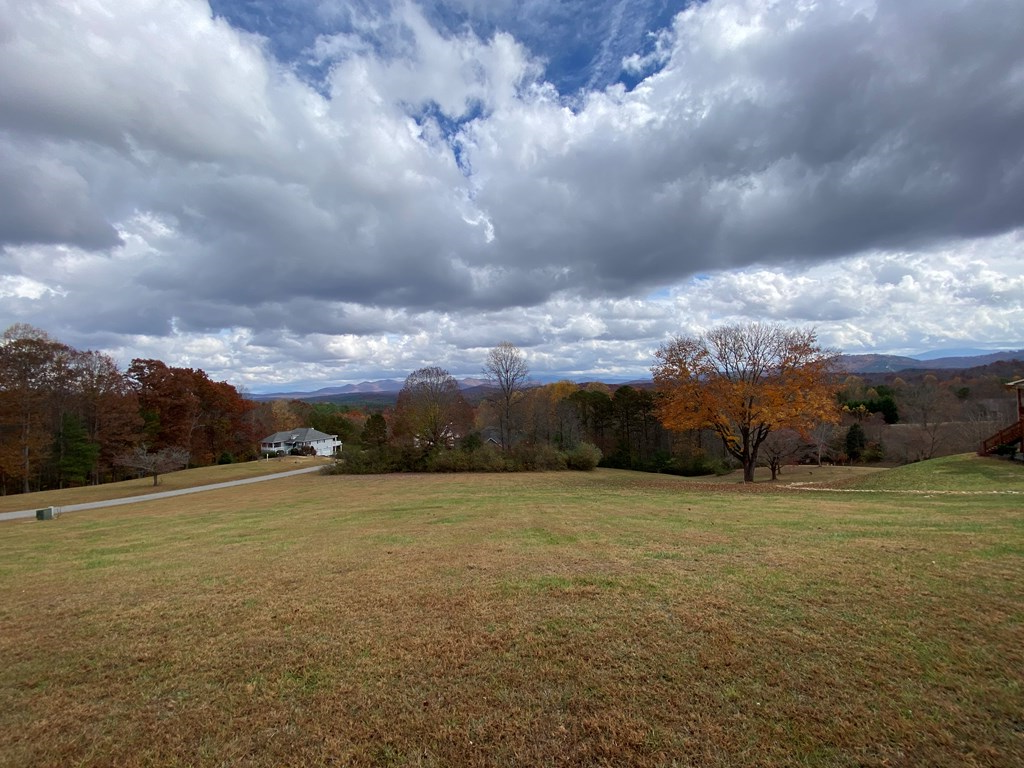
(44, 514)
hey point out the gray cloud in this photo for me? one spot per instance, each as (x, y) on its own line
(164, 178)
(838, 135)
(45, 201)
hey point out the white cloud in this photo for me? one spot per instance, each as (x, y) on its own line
(168, 187)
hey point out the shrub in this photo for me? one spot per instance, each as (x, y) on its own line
(471, 442)
(549, 459)
(480, 459)
(487, 458)
(583, 457)
(874, 451)
(527, 457)
(696, 466)
(376, 461)
(449, 461)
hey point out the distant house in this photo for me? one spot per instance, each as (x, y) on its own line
(491, 436)
(304, 438)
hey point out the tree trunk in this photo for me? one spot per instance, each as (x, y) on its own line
(748, 470)
(26, 467)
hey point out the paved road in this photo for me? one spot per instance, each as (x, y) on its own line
(159, 494)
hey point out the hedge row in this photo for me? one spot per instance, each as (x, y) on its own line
(523, 458)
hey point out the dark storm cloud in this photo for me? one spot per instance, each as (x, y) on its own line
(836, 134)
(45, 201)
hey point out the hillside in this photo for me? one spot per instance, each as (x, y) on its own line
(897, 363)
(607, 618)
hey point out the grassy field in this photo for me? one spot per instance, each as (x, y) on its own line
(607, 618)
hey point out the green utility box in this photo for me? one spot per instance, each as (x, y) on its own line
(44, 514)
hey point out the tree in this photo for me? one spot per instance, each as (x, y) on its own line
(184, 407)
(29, 365)
(743, 382)
(780, 447)
(548, 416)
(594, 413)
(334, 419)
(856, 441)
(928, 405)
(431, 410)
(820, 436)
(223, 426)
(77, 453)
(155, 463)
(633, 412)
(375, 432)
(109, 410)
(506, 367)
(168, 405)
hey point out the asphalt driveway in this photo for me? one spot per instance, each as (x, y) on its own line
(29, 513)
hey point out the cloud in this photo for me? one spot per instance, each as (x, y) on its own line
(771, 134)
(43, 200)
(415, 185)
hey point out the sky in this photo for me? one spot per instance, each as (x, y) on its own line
(305, 194)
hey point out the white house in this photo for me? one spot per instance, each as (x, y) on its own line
(285, 442)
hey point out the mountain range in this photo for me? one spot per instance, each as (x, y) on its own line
(854, 364)
(381, 386)
(936, 361)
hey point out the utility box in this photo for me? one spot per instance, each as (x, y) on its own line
(44, 514)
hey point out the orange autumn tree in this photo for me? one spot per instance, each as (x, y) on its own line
(743, 382)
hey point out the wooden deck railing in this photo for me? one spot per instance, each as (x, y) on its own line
(1012, 434)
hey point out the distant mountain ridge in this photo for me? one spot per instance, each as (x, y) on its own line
(848, 363)
(896, 363)
(381, 386)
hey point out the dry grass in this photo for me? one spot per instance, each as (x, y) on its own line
(797, 473)
(171, 481)
(605, 618)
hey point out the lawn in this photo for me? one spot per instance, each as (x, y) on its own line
(606, 618)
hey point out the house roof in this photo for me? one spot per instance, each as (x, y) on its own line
(1019, 384)
(301, 435)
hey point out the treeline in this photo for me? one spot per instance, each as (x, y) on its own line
(270, 416)
(70, 417)
(546, 427)
(621, 421)
(911, 416)
(432, 427)
(881, 417)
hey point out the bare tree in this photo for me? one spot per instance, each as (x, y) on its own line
(779, 448)
(928, 406)
(821, 437)
(975, 424)
(155, 463)
(30, 366)
(506, 367)
(431, 410)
